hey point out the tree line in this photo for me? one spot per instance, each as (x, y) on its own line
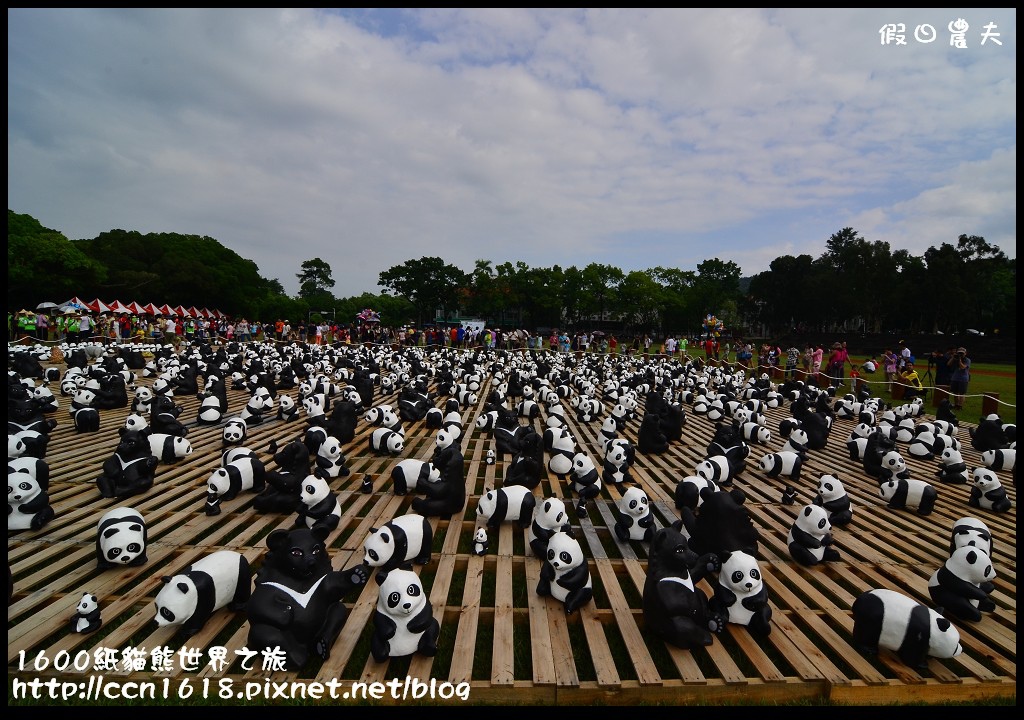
(854, 285)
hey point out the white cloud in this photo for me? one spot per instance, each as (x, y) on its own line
(630, 137)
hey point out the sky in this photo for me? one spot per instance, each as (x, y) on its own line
(627, 137)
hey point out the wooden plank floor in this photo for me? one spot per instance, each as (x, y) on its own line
(511, 645)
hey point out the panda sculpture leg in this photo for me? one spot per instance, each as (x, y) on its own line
(577, 599)
(330, 630)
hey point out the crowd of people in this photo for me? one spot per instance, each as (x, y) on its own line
(951, 368)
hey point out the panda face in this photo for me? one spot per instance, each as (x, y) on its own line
(126, 552)
(894, 462)
(564, 552)
(219, 482)
(740, 572)
(314, 490)
(582, 465)
(378, 548)
(21, 487)
(485, 508)
(550, 513)
(814, 520)
(176, 601)
(235, 431)
(634, 502)
(985, 479)
(401, 594)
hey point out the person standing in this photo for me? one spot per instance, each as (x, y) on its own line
(890, 364)
(905, 355)
(961, 376)
(670, 346)
(84, 327)
(816, 359)
(792, 358)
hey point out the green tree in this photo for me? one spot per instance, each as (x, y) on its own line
(680, 311)
(428, 283)
(600, 285)
(640, 298)
(40, 260)
(315, 279)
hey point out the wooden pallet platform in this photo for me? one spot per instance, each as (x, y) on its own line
(509, 644)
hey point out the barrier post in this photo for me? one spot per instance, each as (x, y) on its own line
(990, 404)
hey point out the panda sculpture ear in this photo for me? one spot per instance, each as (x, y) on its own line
(320, 532)
(166, 579)
(277, 540)
(380, 577)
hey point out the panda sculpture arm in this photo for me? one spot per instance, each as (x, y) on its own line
(756, 601)
(422, 621)
(674, 602)
(959, 586)
(805, 539)
(345, 581)
(724, 598)
(384, 628)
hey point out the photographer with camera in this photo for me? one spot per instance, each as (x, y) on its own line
(960, 365)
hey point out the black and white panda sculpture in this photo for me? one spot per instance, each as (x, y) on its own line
(741, 595)
(407, 538)
(329, 461)
(121, 539)
(513, 503)
(409, 474)
(549, 517)
(244, 473)
(318, 504)
(221, 579)
(886, 619)
(785, 463)
(635, 520)
(952, 468)
(169, 449)
(970, 531)
(28, 502)
(963, 584)
(909, 494)
(235, 431)
(988, 492)
(87, 617)
(833, 497)
(386, 442)
(810, 537)
(565, 574)
(403, 622)
(586, 481)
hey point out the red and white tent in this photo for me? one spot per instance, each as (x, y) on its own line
(75, 303)
(181, 311)
(207, 313)
(98, 305)
(136, 308)
(119, 307)
(166, 309)
(150, 309)
(194, 312)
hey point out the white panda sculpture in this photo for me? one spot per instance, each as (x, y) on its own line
(480, 543)
(585, 480)
(210, 411)
(318, 504)
(28, 503)
(810, 537)
(565, 574)
(243, 474)
(330, 460)
(970, 531)
(121, 539)
(221, 579)
(135, 421)
(785, 463)
(169, 449)
(386, 442)
(962, 585)
(893, 467)
(909, 494)
(549, 517)
(407, 475)
(635, 520)
(833, 497)
(886, 619)
(988, 492)
(1000, 459)
(407, 538)
(87, 617)
(741, 595)
(561, 448)
(403, 622)
(952, 468)
(692, 490)
(287, 408)
(234, 431)
(513, 503)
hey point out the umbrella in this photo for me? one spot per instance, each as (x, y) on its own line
(597, 333)
(46, 306)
